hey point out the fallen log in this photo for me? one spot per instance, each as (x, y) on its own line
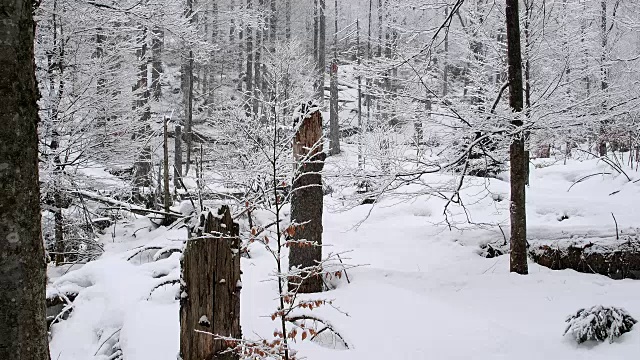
(615, 259)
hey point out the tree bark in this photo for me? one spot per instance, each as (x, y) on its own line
(360, 125)
(334, 126)
(445, 67)
(315, 38)
(188, 92)
(156, 49)
(287, 31)
(321, 51)
(306, 204)
(602, 148)
(210, 289)
(23, 329)
(177, 164)
(519, 162)
(249, 73)
(166, 195)
(257, 65)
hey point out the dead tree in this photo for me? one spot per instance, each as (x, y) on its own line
(210, 289)
(306, 204)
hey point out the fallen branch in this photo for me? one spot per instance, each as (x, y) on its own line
(121, 205)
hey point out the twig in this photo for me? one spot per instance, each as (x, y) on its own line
(344, 269)
(616, 221)
(104, 342)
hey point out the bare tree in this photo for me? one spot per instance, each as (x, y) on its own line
(519, 161)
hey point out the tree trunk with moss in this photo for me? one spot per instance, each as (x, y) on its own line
(23, 329)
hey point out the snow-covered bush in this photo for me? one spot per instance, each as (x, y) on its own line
(599, 323)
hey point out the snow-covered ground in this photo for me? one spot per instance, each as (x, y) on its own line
(422, 292)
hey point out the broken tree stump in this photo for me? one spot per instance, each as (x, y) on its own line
(210, 289)
(306, 201)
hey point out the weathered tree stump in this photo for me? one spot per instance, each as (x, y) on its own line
(306, 202)
(210, 289)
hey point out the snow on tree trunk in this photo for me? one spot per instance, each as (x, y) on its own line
(519, 160)
(210, 289)
(23, 330)
(306, 202)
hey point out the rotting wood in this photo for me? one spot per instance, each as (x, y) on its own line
(210, 289)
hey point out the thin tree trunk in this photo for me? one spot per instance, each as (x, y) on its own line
(360, 125)
(257, 64)
(602, 148)
(188, 91)
(23, 329)
(519, 162)
(142, 166)
(445, 70)
(166, 194)
(321, 51)
(177, 152)
(249, 72)
(273, 25)
(315, 37)
(55, 97)
(287, 31)
(334, 127)
(368, 81)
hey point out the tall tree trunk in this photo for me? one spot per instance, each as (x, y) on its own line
(188, 92)
(55, 61)
(315, 38)
(603, 76)
(368, 82)
(142, 165)
(166, 195)
(23, 329)
(321, 51)
(156, 72)
(249, 72)
(287, 31)
(240, 54)
(334, 126)
(257, 64)
(519, 162)
(273, 25)
(445, 67)
(360, 125)
(101, 83)
(177, 152)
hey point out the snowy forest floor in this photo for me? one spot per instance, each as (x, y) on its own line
(423, 291)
